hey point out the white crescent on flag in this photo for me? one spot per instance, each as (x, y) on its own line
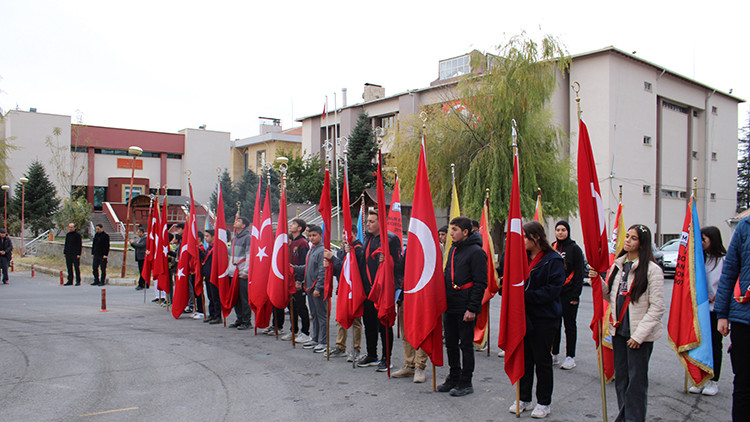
(515, 227)
(280, 241)
(423, 234)
(222, 235)
(599, 207)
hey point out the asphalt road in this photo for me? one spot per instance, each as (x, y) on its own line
(63, 360)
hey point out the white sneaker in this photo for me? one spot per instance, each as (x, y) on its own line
(501, 353)
(695, 390)
(569, 363)
(711, 388)
(320, 348)
(302, 338)
(555, 360)
(198, 315)
(525, 405)
(540, 411)
(354, 356)
(287, 337)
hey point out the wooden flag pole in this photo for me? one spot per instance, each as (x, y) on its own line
(434, 383)
(600, 360)
(685, 388)
(328, 328)
(518, 399)
(487, 337)
(354, 360)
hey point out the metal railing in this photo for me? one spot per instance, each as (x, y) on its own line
(31, 247)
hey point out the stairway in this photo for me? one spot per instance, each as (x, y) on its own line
(101, 218)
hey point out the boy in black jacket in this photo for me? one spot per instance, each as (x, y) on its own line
(465, 282)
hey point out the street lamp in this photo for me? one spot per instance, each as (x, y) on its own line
(135, 152)
(23, 181)
(5, 189)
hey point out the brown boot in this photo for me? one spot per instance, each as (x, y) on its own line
(404, 372)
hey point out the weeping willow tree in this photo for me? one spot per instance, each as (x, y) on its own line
(472, 128)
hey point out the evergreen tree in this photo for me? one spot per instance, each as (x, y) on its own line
(361, 151)
(41, 199)
(304, 178)
(247, 188)
(229, 196)
(743, 170)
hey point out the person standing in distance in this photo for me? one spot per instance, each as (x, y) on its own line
(72, 252)
(99, 253)
(140, 255)
(6, 249)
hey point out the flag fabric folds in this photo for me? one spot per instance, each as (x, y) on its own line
(515, 272)
(480, 329)
(279, 277)
(193, 246)
(689, 323)
(424, 287)
(148, 262)
(383, 292)
(618, 236)
(187, 262)
(538, 214)
(324, 207)
(394, 214)
(161, 247)
(361, 222)
(455, 211)
(220, 261)
(351, 295)
(260, 260)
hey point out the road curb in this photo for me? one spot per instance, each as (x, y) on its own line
(84, 278)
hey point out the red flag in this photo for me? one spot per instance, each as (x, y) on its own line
(149, 260)
(592, 222)
(220, 261)
(324, 208)
(187, 263)
(262, 243)
(161, 246)
(480, 329)
(279, 278)
(383, 292)
(515, 272)
(194, 264)
(351, 295)
(538, 213)
(394, 215)
(424, 286)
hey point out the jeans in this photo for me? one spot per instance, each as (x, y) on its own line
(631, 378)
(459, 346)
(141, 280)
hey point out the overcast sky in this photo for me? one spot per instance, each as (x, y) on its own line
(165, 66)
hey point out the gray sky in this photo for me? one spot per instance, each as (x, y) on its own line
(168, 65)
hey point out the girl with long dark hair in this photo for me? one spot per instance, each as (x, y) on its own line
(713, 255)
(635, 288)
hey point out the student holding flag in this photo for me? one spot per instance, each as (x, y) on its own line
(635, 288)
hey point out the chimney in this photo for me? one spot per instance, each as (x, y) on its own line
(373, 92)
(269, 124)
(343, 97)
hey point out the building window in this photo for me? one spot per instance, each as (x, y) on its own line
(647, 86)
(78, 149)
(675, 107)
(153, 191)
(695, 154)
(695, 113)
(387, 122)
(647, 189)
(174, 192)
(151, 154)
(713, 196)
(714, 110)
(455, 67)
(244, 161)
(260, 159)
(175, 156)
(667, 193)
(137, 190)
(713, 156)
(100, 196)
(112, 151)
(646, 140)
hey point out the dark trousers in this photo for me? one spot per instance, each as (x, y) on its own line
(214, 301)
(537, 344)
(278, 318)
(99, 263)
(141, 281)
(373, 327)
(569, 315)
(740, 336)
(73, 263)
(631, 378)
(300, 312)
(459, 345)
(4, 262)
(242, 306)
(717, 346)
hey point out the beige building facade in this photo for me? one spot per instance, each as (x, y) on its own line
(251, 153)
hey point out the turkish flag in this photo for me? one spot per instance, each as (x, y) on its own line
(515, 272)
(324, 208)
(394, 214)
(260, 261)
(148, 262)
(220, 261)
(480, 329)
(351, 294)
(279, 278)
(161, 248)
(592, 222)
(192, 243)
(424, 286)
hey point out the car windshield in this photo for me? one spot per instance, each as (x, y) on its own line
(671, 247)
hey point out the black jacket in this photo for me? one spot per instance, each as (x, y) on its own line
(467, 262)
(73, 243)
(140, 248)
(573, 257)
(7, 246)
(207, 259)
(543, 288)
(100, 245)
(368, 265)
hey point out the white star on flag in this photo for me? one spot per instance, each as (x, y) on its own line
(261, 253)
(180, 273)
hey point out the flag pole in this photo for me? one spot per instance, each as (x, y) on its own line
(518, 399)
(600, 352)
(514, 131)
(487, 337)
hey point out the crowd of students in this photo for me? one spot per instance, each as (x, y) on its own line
(634, 287)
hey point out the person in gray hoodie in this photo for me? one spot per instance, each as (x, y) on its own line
(314, 279)
(240, 251)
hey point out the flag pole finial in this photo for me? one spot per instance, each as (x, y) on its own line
(423, 117)
(218, 173)
(238, 203)
(695, 187)
(282, 166)
(189, 173)
(487, 193)
(514, 134)
(453, 172)
(620, 197)
(577, 88)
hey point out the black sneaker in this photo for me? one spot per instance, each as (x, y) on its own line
(215, 321)
(96, 283)
(383, 366)
(70, 283)
(139, 288)
(447, 386)
(367, 361)
(78, 283)
(234, 324)
(461, 390)
(244, 327)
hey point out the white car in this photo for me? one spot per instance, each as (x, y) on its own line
(670, 250)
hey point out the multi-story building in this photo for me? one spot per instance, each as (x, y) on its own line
(652, 131)
(251, 153)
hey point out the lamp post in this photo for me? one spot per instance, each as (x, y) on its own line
(23, 181)
(5, 189)
(135, 152)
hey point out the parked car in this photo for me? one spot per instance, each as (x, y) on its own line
(669, 252)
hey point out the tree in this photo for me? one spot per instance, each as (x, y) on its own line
(743, 170)
(247, 188)
(473, 130)
(41, 199)
(76, 210)
(67, 164)
(229, 197)
(361, 152)
(6, 146)
(304, 178)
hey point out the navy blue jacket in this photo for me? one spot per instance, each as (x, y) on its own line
(544, 286)
(736, 264)
(467, 262)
